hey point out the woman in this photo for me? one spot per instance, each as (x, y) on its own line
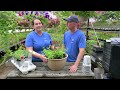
(37, 40)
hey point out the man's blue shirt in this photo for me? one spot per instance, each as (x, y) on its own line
(72, 42)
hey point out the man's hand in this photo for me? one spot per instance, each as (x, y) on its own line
(44, 59)
(73, 68)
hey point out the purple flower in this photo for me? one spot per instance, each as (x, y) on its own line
(31, 12)
(41, 13)
(26, 12)
(22, 12)
(46, 16)
(36, 13)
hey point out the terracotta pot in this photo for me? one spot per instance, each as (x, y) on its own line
(56, 64)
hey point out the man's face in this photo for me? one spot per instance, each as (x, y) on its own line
(71, 25)
(37, 25)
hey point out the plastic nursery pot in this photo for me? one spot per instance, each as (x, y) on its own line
(57, 64)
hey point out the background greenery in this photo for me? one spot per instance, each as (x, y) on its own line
(9, 21)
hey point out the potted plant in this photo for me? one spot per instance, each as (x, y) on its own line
(56, 58)
(22, 60)
(20, 55)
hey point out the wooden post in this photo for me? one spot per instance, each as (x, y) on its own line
(87, 29)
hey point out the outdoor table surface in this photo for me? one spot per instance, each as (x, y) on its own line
(43, 72)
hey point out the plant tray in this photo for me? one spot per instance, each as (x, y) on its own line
(24, 66)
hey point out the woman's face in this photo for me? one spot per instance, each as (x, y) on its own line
(37, 25)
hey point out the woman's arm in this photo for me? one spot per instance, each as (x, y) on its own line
(35, 54)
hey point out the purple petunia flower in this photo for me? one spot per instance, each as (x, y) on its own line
(26, 12)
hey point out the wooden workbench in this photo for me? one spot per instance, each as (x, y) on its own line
(43, 72)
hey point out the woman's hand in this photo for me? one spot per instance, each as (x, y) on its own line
(44, 59)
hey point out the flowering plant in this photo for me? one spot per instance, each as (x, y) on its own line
(23, 22)
(53, 20)
(53, 23)
(20, 54)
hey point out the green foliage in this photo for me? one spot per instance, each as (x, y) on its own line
(41, 17)
(57, 32)
(54, 54)
(7, 21)
(107, 35)
(21, 53)
(12, 38)
(63, 24)
(22, 35)
(89, 46)
(59, 40)
(86, 14)
(113, 17)
(29, 17)
(63, 27)
(63, 14)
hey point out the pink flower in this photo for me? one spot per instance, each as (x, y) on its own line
(100, 12)
(22, 57)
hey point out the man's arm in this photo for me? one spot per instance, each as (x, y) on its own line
(80, 56)
(74, 67)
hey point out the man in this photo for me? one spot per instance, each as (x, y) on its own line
(74, 43)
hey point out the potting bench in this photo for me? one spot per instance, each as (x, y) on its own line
(43, 72)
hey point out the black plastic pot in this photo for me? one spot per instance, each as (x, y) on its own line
(97, 48)
(1, 53)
